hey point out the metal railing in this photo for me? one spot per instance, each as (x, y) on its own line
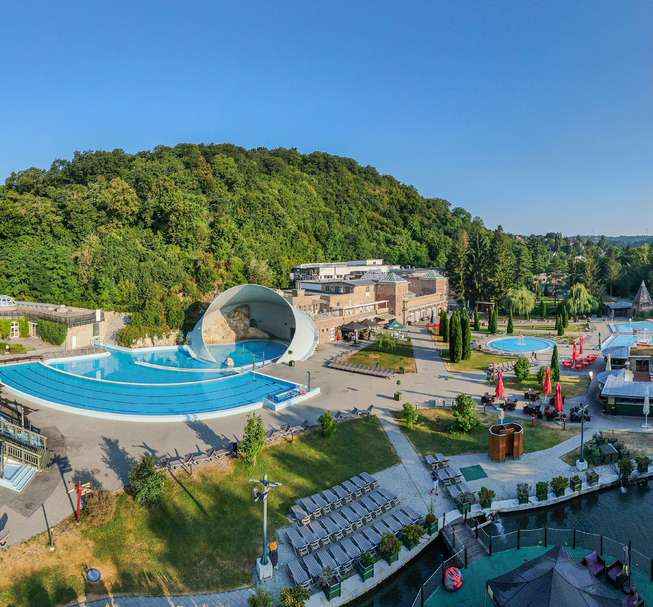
(74, 320)
(38, 458)
(22, 435)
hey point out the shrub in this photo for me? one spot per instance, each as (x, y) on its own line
(542, 487)
(555, 365)
(385, 342)
(52, 332)
(367, 559)
(328, 425)
(397, 396)
(390, 546)
(430, 518)
(559, 484)
(129, 335)
(511, 327)
(464, 410)
(486, 497)
(626, 467)
(174, 312)
(523, 490)
(409, 415)
(260, 598)
(253, 438)
(326, 576)
(100, 507)
(146, 482)
(23, 328)
(413, 533)
(402, 370)
(541, 375)
(522, 369)
(399, 382)
(295, 597)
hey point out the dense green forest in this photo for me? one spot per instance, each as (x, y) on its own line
(154, 232)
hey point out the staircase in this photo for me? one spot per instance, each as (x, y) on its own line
(118, 322)
(459, 537)
(16, 476)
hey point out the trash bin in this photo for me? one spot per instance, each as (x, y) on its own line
(613, 410)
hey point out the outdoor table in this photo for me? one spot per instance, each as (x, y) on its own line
(609, 454)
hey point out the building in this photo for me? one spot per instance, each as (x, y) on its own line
(406, 295)
(643, 302)
(341, 270)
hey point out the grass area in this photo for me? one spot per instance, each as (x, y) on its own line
(638, 443)
(203, 536)
(14, 348)
(432, 434)
(478, 362)
(572, 385)
(401, 356)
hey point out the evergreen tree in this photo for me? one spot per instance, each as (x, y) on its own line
(458, 265)
(565, 317)
(477, 277)
(464, 326)
(503, 264)
(555, 364)
(467, 339)
(543, 309)
(456, 339)
(511, 328)
(561, 325)
(477, 322)
(444, 326)
(492, 322)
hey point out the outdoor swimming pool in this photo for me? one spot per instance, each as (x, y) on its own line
(630, 327)
(152, 384)
(615, 341)
(520, 344)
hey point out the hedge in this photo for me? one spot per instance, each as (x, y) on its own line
(52, 332)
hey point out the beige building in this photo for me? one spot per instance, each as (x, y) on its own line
(382, 297)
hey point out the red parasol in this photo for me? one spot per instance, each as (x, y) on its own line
(558, 404)
(547, 389)
(500, 392)
(575, 353)
(581, 345)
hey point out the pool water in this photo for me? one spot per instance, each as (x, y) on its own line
(629, 327)
(244, 353)
(615, 341)
(520, 344)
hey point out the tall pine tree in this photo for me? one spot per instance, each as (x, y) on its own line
(477, 322)
(456, 339)
(555, 364)
(511, 327)
(467, 338)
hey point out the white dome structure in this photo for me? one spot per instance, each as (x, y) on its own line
(7, 302)
(269, 312)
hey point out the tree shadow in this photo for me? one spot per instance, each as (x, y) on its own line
(86, 476)
(43, 590)
(207, 435)
(117, 458)
(189, 494)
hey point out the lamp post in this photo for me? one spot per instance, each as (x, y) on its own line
(309, 381)
(581, 464)
(263, 565)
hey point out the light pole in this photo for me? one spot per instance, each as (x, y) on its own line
(309, 381)
(581, 464)
(263, 566)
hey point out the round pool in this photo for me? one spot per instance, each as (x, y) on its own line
(519, 345)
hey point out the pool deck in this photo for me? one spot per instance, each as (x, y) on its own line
(473, 591)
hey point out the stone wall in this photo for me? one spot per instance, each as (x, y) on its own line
(233, 327)
(175, 338)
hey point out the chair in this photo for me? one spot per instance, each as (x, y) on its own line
(594, 563)
(370, 480)
(431, 462)
(633, 600)
(614, 573)
(303, 517)
(298, 575)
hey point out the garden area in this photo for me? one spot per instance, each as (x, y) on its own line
(401, 356)
(638, 444)
(204, 534)
(432, 433)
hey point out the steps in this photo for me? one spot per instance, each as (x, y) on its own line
(464, 537)
(17, 476)
(118, 322)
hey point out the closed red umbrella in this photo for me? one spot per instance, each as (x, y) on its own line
(558, 404)
(547, 389)
(581, 345)
(575, 353)
(500, 391)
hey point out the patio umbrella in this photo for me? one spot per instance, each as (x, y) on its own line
(546, 388)
(581, 345)
(500, 391)
(557, 403)
(626, 558)
(575, 353)
(647, 409)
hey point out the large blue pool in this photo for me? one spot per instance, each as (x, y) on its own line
(520, 344)
(631, 327)
(147, 385)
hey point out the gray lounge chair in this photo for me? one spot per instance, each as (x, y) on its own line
(370, 480)
(302, 516)
(299, 575)
(412, 513)
(363, 543)
(350, 548)
(391, 522)
(313, 568)
(297, 542)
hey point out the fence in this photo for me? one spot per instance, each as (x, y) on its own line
(522, 538)
(75, 320)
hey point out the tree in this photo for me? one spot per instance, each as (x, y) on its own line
(253, 438)
(511, 327)
(385, 342)
(328, 425)
(456, 339)
(467, 338)
(492, 321)
(147, 483)
(478, 272)
(591, 275)
(464, 411)
(444, 325)
(555, 364)
(579, 301)
(409, 415)
(520, 300)
(560, 324)
(522, 369)
(294, 597)
(541, 375)
(123, 202)
(260, 598)
(477, 322)
(612, 267)
(557, 270)
(503, 264)
(543, 311)
(458, 265)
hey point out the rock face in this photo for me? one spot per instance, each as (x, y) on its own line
(175, 338)
(232, 327)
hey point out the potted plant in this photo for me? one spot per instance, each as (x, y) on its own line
(397, 395)
(330, 583)
(390, 547)
(542, 490)
(558, 485)
(412, 535)
(486, 497)
(626, 468)
(643, 462)
(365, 566)
(399, 382)
(592, 477)
(402, 370)
(464, 501)
(291, 363)
(523, 490)
(575, 483)
(431, 523)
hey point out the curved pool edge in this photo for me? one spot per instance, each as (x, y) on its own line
(550, 346)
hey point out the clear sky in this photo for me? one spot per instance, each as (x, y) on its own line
(537, 115)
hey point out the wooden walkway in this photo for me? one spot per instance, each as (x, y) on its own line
(459, 537)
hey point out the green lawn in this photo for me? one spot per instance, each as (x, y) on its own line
(431, 434)
(401, 356)
(572, 385)
(204, 536)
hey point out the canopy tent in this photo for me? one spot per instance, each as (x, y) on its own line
(555, 579)
(395, 325)
(368, 323)
(353, 326)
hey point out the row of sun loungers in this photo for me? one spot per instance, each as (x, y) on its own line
(172, 464)
(339, 363)
(341, 523)
(341, 556)
(318, 505)
(510, 365)
(436, 462)
(443, 402)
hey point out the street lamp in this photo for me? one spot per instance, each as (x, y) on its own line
(581, 464)
(309, 381)
(263, 565)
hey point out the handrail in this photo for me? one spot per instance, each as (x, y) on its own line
(22, 434)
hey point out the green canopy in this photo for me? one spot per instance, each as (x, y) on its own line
(395, 325)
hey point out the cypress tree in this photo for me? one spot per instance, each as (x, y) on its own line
(467, 340)
(456, 339)
(477, 322)
(464, 327)
(565, 316)
(511, 327)
(444, 326)
(561, 327)
(555, 364)
(492, 322)
(543, 309)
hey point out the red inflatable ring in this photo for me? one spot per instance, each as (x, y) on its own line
(302, 392)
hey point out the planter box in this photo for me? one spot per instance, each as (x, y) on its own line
(575, 486)
(523, 500)
(593, 480)
(410, 545)
(397, 395)
(333, 591)
(542, 496)
(291, 363)
(642, 469)
(432, 528)
(391, 559)
(559, 493)
(366, 573)
(466, 507)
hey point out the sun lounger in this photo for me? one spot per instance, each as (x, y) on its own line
(308, 537)
(372, 535)
(4, 538)
(431, 462)
(307, 505)
(362, 542)
(297, 542)
(204, 458)
(389, 496)
(313, 568)
(299, 575)
(318, 530)
(329, 524)
(403, 518)
(349, 514)
(300, 514)
(351, 490)
(342, 523)
(331, 498)
(392, 523)
(352, 550)
(326, 560)
(412, 513)
(340, 491)
(377, 498)
(370, 480)
(359, 482)
(381, 528)
(442, 460)
(342, 559)
(359, 509)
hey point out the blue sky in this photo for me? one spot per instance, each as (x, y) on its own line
(534, 115)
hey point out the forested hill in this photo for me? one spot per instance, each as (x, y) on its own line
(134, 231)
